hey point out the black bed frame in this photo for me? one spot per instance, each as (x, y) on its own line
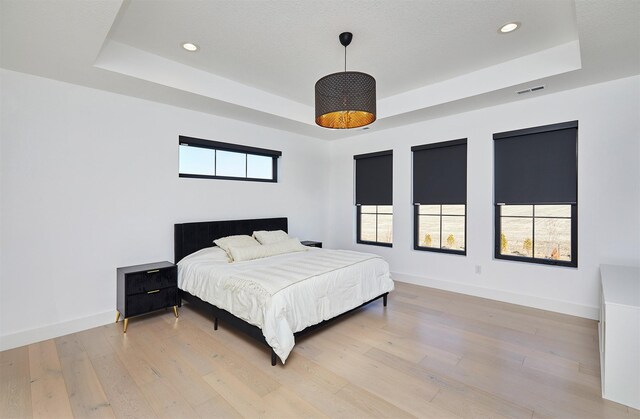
(191, 237)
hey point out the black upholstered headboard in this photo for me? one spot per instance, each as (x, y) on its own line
(191, 237)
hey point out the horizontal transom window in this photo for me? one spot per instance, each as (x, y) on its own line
(215, 160)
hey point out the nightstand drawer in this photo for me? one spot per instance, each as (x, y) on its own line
(151, 300)
(153, 279)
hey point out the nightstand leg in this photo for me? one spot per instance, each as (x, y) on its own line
(126, 323)
(175, 311)
(117, 316)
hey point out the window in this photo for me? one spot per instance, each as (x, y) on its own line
(536, 231)
(440, 196)
(215, 160)
(536, 191)
(374, 198)
(376, 223)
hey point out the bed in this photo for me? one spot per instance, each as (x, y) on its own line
(275, 299)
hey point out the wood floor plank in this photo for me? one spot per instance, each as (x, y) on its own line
(453, 395)
(166, 401)
(216, 407)
(221, 356)
(15, 390)
(86, 396)
(69, 346)
(373, 405)
(285, 403)
(309, 380)
(49, 392)
(564, 370)
(403, 347)
(95, 342)
(430, 353)
(467, 408)
(539, 392)
(123, 394)
(236, 393)
(171, 367)
(315, 384)
(135, 361)
(395, 387)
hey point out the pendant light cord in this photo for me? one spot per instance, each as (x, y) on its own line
(345, 59)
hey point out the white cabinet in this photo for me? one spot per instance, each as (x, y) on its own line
(619, 331)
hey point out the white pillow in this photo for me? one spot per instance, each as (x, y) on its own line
(208, 254)
(269, 237)
(240, 254)
(237, 241)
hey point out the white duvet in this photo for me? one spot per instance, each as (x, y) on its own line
(285, 294)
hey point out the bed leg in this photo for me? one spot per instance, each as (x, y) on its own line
(273, 358)
(215, 323)
(384, 299)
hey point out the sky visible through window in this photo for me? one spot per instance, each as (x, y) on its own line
(209, 162)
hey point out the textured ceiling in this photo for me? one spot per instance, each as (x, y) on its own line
(283, 47)
(259, 60)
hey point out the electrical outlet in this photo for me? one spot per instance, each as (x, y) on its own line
(478, 269)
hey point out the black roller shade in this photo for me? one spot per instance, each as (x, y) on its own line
(374, 178)
(537, 165)
(440, 173)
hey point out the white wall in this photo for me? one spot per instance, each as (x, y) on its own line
(608, 197)
(89, 182)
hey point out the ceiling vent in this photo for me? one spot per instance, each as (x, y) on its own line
(529, 90)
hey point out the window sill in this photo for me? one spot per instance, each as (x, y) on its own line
(436, 250)
(548, 262)
(375, 243)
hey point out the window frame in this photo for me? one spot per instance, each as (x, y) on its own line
(573, 263)
(358, 205)
(416, 205)
(416, 231)
(236, 148)
(359, 227)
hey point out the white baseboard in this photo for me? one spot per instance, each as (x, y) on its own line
(558, 306)
(27, 337)
(39, 334)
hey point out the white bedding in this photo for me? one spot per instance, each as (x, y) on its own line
(284, 294)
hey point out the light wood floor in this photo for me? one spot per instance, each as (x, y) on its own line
(428, 354)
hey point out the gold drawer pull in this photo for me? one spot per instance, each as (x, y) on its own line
(156, 270)
(153, 292)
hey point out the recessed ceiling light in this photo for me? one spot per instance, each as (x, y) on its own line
(190, 47)
(509, 27)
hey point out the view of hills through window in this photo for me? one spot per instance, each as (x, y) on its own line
(441, 226)
(536, 231)
(376, 223)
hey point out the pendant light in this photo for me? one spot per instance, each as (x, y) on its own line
(347, 99)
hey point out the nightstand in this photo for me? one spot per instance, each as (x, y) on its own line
(311, 243)
(146, 288)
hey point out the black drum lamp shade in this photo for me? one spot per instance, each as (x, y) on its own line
(346, 99)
